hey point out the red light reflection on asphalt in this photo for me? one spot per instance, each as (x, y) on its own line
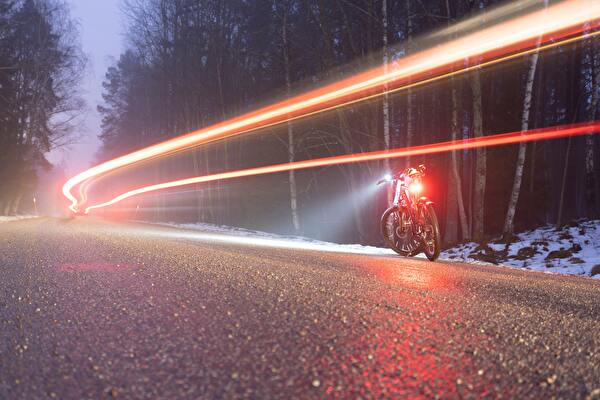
(403, 353)
(405, 346)
(414, 274)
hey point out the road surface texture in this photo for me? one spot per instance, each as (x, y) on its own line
(92, 309)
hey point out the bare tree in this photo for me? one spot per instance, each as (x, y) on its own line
(479, 184)
(455, 201)
(290, 129)
(509, 221)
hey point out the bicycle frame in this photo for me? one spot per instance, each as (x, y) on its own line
(404, 198)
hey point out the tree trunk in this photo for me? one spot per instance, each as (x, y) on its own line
(198, 194)
(451, 226)
(290, 129)
(509, 221)
(7, 206)
(222, 191)
(532, 209)
(386, 100)
(563, 187)
(456, 179)
(409, 94)
(574, 99)
(16, 203)
(356, 205)
(455, 192)
(592, 194)
(480, 160)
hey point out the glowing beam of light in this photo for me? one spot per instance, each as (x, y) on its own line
(471, 143)
(556, 22)
(253, 241)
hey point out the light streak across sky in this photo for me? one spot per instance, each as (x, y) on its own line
(514, 36)
(555, 132)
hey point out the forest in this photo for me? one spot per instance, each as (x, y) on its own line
(41, 67)
(193, 63)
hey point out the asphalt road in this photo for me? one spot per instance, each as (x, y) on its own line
(92, 309)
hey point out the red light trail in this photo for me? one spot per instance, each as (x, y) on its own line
(501, 41)
(472, 143)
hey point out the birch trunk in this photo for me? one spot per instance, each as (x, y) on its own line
(290, 129)
(456, 191)
(509, 221)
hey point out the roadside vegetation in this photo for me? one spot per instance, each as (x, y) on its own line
(41, 66)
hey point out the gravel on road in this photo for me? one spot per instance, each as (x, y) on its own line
(95, 309)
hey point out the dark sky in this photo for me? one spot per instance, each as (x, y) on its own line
(100, 28)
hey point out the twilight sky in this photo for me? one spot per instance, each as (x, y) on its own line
(100, 28)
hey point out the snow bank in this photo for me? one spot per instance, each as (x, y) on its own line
(573, 250)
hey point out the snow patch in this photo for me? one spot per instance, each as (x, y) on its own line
(572, 250)
(5, 218)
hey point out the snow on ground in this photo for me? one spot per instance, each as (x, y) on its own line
(245, 236)
(4, 218)
(573, 250)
